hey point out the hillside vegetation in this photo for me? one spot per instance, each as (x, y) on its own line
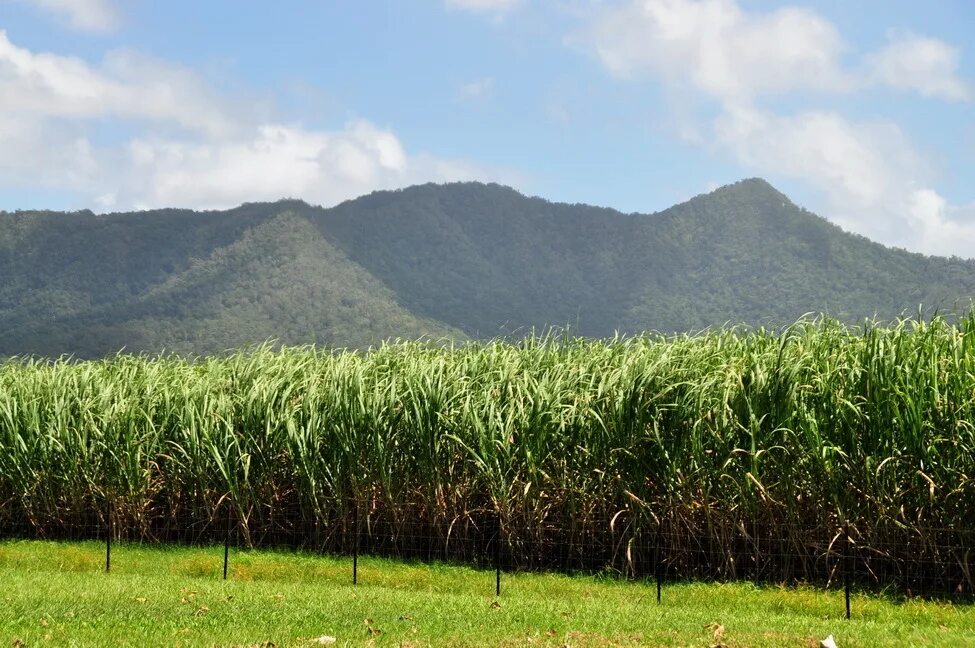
(441, 261)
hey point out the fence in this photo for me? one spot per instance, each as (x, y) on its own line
(914, 561)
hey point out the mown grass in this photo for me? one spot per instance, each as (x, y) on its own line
(58, 594)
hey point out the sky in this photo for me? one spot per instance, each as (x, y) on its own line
(862, 112)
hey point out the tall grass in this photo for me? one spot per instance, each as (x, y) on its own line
(721, 442)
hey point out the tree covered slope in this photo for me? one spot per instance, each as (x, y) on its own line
(443, 261)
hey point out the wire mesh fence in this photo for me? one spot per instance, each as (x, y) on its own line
(913, 560)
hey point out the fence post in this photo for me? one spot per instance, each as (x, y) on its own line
(355, 543)
(319, 547)
(497, 555)
(848, 567)
(226, 541)
(108, 536)
(657, 559)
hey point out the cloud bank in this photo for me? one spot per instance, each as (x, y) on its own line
(189, 146)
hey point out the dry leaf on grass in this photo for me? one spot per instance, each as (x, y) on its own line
(716, 628)
(717, 631)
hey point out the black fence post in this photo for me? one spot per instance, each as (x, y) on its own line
(497, 556)
(848, 567)
(226, 541)
(355, 543)
(657, 559)
(319, 547)
(108, 536)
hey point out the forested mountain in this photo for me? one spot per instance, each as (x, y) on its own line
(443, 261)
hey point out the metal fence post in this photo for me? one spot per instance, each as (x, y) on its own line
(108, 537)
(319, 547)
(848, 567)
(497, 556)
(226, 541)
(657, 559)
(355, 543)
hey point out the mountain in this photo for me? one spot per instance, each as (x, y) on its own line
(441, 261)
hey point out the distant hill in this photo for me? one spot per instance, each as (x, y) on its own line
(442, 261)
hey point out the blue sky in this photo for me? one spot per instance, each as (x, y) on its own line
(862, 112)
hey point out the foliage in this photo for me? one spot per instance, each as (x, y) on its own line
(709, 437)
(451, 261)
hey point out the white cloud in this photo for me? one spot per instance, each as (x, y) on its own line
(476, 89)
(194, 148)
(719, 48)
(926, 65)
(736, 55)
(125, 85)
(945, 229)
(85, 15)
(277, 160)
(875, 181)
(858, 161)
(483, 6)
(36, 152)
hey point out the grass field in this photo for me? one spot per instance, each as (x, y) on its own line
(58, 594)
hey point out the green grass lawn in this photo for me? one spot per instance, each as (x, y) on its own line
(58, 594)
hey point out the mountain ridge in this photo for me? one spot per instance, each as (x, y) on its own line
(449, 261)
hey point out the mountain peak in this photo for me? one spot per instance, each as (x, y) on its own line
(753, 188)
(751, 198)
(756, 183)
